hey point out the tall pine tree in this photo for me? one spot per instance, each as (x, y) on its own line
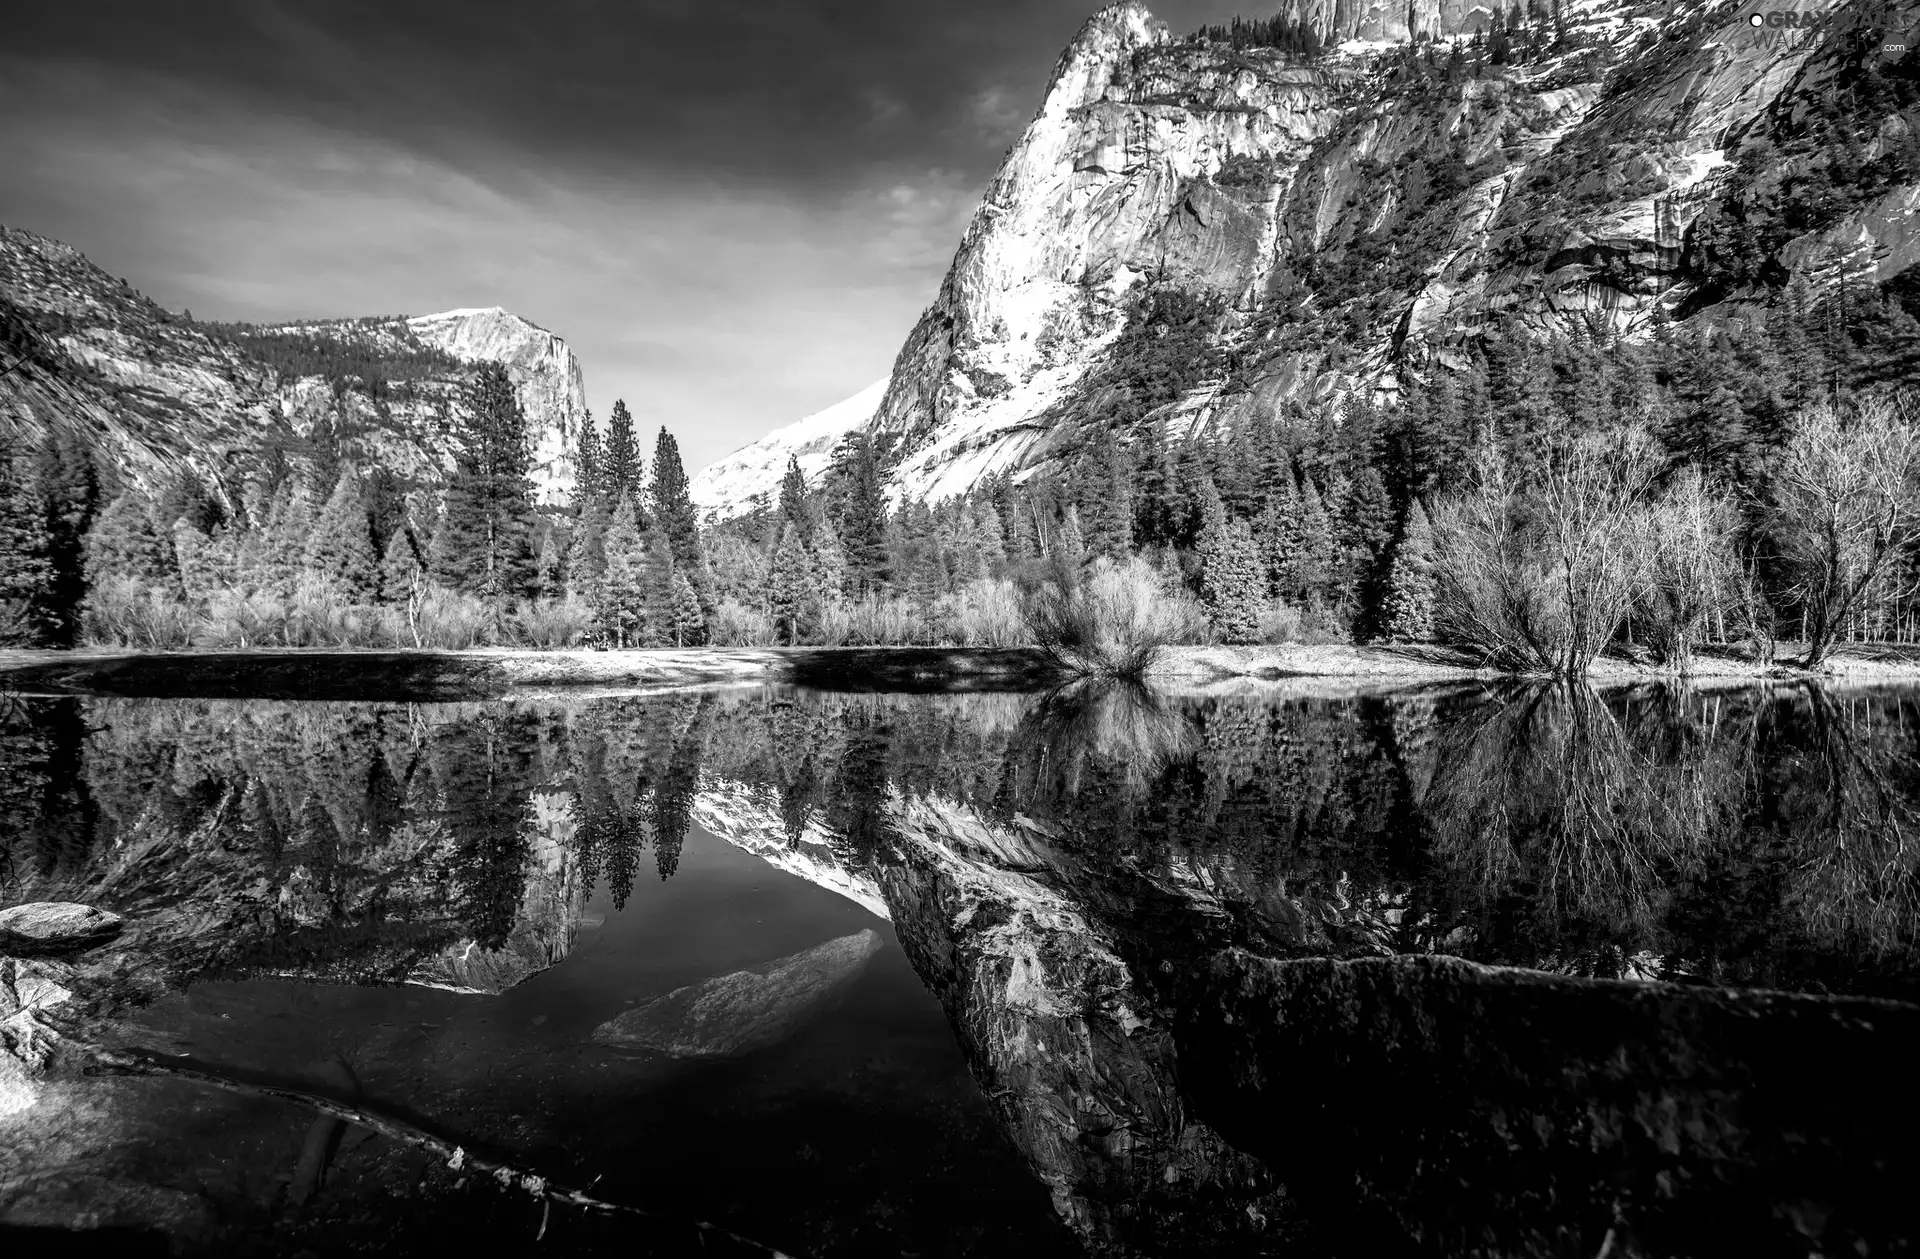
(620, 459)
(485, 542)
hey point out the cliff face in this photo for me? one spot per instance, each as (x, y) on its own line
(1397, 209)
(158, 393)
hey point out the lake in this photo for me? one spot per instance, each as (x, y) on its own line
(1273, 970)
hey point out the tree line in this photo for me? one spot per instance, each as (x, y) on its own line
(1436, 512)
(313, 550)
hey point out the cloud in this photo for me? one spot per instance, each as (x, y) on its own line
(733, 211)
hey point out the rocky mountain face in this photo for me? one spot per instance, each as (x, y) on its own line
(1376, 212)
(750, 477)
(158, 393)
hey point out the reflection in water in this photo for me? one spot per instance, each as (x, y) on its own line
(1064, 871)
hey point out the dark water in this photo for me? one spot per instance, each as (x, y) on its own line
(440, 909)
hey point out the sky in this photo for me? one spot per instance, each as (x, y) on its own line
(732, 212)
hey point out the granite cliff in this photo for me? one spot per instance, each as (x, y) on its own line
(158, 393)
(1376, 212)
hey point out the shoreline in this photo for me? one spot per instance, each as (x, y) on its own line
(498, 672)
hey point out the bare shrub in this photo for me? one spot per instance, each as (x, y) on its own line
(1109, 618)
(985, 613)
(875, 621)
(241, 618)
(547, 623)
(735, 625)
(127, 612)
(452, 621)
(1539, 579)
(1279, 622)
(1844, 506)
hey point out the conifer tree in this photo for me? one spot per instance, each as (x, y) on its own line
(1069, 543)
(588, 472)
(1410, 584)
(338, 549)
(1108, 507)
(1311, 562)
(485, 541)
(586, 560)
(620, 459)
(620, 602)
(673, 510)
(124, 543)
(291, 521)
(1232, 585)
(26, 558)
(863, 519)
(400, 572)
(70, 490)
(688, 623)
(795, 505)
(550, 566)
(787, 582)
(829, 571)
(195, 553)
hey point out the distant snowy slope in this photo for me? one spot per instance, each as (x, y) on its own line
(750, 476)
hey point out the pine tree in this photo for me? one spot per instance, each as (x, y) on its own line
(26, 558)
(550, 580)
(400, 572)
(1410, 584)
(1311, 564)
(863, 519)
(621, 470)
(674, 514)
(70, 489)
(124, 543)
(787, 583)
(586, 561)
(1232, 584)
(689, 623)
(588, 473)
(1107, 510)
(795, 505)
(1069, 542)
(485, 542)
(338, 549)
(620, 601)
(291, 521)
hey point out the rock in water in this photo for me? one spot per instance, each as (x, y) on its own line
(56, 927)
(747, 1010)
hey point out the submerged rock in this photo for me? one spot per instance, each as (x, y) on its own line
(746, 1010)
(56, 927)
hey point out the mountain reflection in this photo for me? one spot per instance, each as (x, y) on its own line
(1751, 837)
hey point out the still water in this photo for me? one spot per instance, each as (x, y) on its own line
(987, 974)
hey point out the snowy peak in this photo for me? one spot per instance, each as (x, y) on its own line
(750, 477)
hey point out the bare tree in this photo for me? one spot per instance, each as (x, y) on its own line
(1691, 568)
(1844, 507)
(1539, 578)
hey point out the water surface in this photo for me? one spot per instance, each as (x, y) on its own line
(440, 908)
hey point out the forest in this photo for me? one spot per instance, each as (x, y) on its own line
(1731, 482)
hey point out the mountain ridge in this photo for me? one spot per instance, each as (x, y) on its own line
(1435, 180)
(160, 394)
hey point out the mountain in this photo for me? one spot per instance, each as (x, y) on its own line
(159, 393)
(1351, 197)
(750, 477)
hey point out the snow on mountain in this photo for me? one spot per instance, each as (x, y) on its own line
(750, 476)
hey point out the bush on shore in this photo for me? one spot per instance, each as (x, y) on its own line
(1110, 619)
